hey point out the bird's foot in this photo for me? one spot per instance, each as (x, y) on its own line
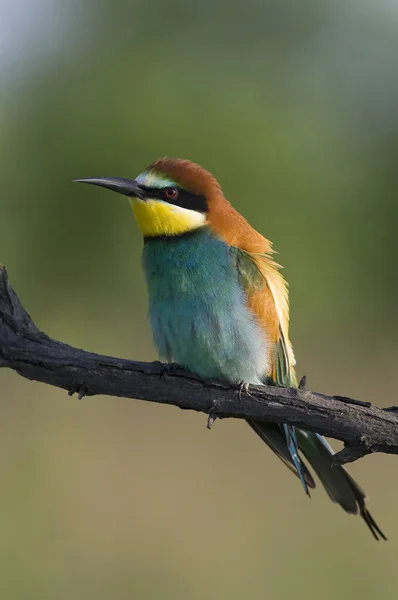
(80, 390)
(243, 386)
(169, 369)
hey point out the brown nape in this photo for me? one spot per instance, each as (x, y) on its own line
(222, 217)
(233, 228)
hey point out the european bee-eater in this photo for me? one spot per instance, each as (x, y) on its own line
(218, 304)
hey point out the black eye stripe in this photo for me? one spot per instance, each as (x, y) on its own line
(184, 199)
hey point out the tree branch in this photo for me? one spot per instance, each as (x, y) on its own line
(362, 427)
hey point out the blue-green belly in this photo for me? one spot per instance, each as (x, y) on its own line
(197, 308)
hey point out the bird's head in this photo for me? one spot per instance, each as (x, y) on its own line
(171, 197)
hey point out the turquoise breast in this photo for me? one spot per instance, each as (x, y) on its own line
(197, 308)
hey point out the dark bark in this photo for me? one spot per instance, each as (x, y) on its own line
(362, 427)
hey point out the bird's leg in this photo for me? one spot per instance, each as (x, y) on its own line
(80, 390)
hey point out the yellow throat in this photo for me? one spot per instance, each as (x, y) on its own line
(157, 218)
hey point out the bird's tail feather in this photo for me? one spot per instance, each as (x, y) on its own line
(338, 483)
(275, 437)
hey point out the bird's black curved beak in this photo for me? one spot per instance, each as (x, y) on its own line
(127, 187)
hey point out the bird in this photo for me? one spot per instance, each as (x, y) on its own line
(219, 306)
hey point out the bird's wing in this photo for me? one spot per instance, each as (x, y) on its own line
(267, 297)
(265, 287)
(266, 294)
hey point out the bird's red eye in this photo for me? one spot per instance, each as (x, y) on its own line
(170, 193)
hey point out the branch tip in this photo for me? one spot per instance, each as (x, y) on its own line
(210, 420)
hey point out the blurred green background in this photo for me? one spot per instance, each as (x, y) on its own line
(294, 107)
